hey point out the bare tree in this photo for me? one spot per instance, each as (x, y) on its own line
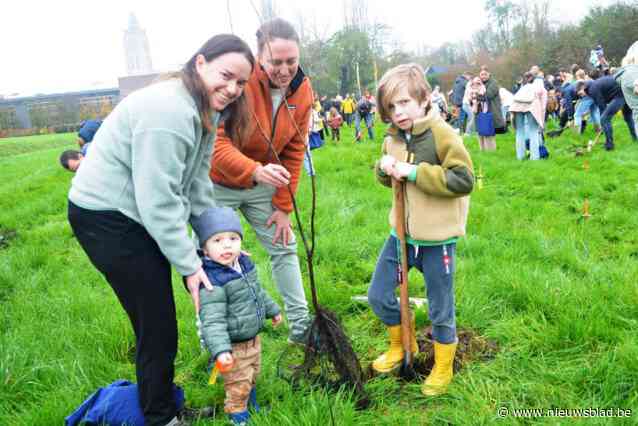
(269, 10)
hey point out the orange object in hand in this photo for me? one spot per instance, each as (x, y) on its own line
(224, 367)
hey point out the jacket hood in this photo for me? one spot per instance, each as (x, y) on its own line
(222, 274)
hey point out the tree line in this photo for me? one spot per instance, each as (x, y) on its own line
(517, 35)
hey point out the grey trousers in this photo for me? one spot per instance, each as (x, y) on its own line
(256, 206)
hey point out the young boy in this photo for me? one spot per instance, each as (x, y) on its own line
(335, 121)
(423, 150)
(231, 316)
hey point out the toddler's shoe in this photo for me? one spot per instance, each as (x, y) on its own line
(252, 400)
(240, 419)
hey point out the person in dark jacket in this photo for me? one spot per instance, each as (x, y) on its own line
(491, 98)
(568, 99)
(233, 313)
(608, 96)
(458, 92)
(87, 131)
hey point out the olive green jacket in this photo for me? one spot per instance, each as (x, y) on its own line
(437, 203)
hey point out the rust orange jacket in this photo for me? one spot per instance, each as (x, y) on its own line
(233, 165)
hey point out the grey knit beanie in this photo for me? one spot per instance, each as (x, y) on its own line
(215, 220)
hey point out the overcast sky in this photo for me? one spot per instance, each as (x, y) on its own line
(54, 46)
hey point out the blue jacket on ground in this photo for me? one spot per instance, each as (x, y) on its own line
(115, 405)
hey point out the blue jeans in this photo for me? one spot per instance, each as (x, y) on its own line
(611, 109)
(369, 123)
(439, 282)
(308, 164)
(583, 106)
(527, 128)
(505, 109)
(462, 119)
(469, 127)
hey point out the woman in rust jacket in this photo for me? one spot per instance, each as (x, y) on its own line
(249, 177)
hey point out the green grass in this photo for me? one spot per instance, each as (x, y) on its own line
(13, 146)
(557, 293)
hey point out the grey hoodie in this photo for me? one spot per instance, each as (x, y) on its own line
(150, 160)
(626, 77)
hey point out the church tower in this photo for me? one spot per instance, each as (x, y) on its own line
(136, 50)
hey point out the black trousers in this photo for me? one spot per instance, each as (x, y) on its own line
(132, 263)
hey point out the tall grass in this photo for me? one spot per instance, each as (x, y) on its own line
(557, 292)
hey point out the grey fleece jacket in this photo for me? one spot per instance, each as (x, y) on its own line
(150, 160)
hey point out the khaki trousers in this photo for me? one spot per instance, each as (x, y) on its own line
(239, 381)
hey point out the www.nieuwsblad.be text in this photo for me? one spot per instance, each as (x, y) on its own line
(592, 412)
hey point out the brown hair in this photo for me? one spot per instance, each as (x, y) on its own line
(580, 74)
(236, 114)
(275, 28)
(411, 76)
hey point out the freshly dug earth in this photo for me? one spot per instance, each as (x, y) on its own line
(472, 347)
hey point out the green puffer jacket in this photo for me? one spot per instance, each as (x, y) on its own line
(236, 309)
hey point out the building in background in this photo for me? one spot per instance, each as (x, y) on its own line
(136, 49)
(61, 111)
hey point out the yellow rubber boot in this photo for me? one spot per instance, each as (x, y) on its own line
(441, 374)
(391, 359)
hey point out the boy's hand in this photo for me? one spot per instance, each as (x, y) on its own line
(402, 170)
(276, 320)
(387, 164)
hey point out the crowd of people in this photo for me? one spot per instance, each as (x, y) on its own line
(337, 111)
(228, 135)
(571, 96)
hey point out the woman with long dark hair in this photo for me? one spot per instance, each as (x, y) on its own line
(147, 176)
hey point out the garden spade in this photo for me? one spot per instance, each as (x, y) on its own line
(407, 370)
(591, 143)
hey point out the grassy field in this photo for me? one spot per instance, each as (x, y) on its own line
(557, 293)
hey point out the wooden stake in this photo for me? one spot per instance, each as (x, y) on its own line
(479, 178)
(586, 214)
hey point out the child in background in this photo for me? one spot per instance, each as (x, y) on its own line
(232, 315)
(423, 150)
(335, 121)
